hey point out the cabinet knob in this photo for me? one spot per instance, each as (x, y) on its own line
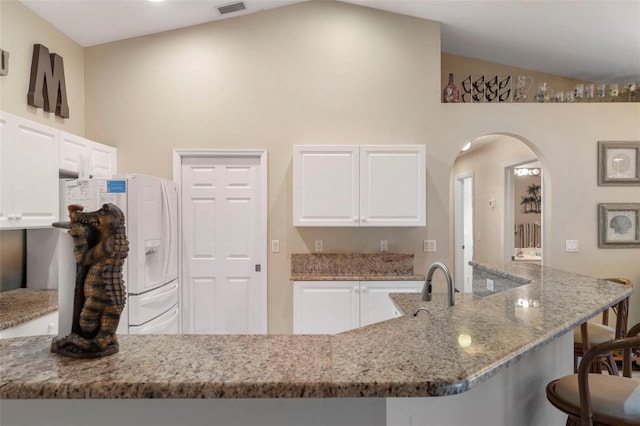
(364, 219)
(355, 218)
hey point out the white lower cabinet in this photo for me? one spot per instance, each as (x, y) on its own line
(330, 307)
(44, 325)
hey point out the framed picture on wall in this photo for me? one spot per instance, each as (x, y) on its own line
(618, 163)
(618, 225)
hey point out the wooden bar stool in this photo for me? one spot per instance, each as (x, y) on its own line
(590, 333)
(600, 399)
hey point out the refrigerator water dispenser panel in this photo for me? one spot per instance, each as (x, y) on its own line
(152, 263)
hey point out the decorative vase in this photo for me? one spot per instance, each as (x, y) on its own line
(451, 94)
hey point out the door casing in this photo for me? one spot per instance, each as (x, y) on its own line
(178, 156)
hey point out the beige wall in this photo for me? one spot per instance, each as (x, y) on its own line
(325, 72)
(312, 73)
(331, 73)
(20, 29)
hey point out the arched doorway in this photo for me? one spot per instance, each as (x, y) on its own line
(500, 218)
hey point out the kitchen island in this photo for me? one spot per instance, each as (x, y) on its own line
(486, 360)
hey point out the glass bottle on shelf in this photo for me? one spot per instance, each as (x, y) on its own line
(451, 94)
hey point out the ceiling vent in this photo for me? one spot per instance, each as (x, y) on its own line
(230, 8)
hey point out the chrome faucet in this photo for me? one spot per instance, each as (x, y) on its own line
(426, 290)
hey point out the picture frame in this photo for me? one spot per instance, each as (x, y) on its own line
(618, 163)
(619, 225)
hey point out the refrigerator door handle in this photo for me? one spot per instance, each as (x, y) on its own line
(168, 230)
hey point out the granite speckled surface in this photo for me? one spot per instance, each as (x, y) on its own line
(443, 351)
(24, 304)
(353, 267)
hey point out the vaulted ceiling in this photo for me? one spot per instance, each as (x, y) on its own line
(595, 40)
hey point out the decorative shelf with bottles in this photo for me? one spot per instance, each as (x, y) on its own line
(482, 88)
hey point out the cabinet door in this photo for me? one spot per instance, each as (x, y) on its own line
(44, 325)
(392, 185)
(29, 173)
(75, 149)
(103, 160)
(325, 185)
(375, 303)
(325, 307)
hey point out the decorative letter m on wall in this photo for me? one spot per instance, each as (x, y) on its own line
(47, 88)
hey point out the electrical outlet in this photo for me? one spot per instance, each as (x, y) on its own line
(571, 246)
(319, 245)
(275, 246)
(384, 246)
(490, 286)
(429, 245)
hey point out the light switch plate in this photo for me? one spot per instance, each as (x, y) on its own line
(571, 246)
(490, 285)
(275, 246)
(429, 245)
(319, 245)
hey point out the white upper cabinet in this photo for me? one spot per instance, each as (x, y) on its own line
(359, 185)
(74, 150)
(326, 185)
(28, 173)
(392, 185)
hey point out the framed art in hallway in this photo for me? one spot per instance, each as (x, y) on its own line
(618, 163)
(618, 225)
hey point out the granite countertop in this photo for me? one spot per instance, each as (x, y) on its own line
(402, 357)
(24, 304)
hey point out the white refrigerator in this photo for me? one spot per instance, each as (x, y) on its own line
(151, 268)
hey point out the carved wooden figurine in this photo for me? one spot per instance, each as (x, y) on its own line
(100, 247)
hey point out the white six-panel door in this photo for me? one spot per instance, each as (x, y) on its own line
(221, 245)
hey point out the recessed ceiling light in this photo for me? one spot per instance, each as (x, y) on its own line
(466, 147)
(155, 1)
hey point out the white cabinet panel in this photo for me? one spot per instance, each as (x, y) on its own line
(44, 325)
(325, 307)
(74, 150)
(102, 160)
(375, 303)
(329, 307)
(359, 185)
(28, 173)
(326, 185)
(392, 185)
